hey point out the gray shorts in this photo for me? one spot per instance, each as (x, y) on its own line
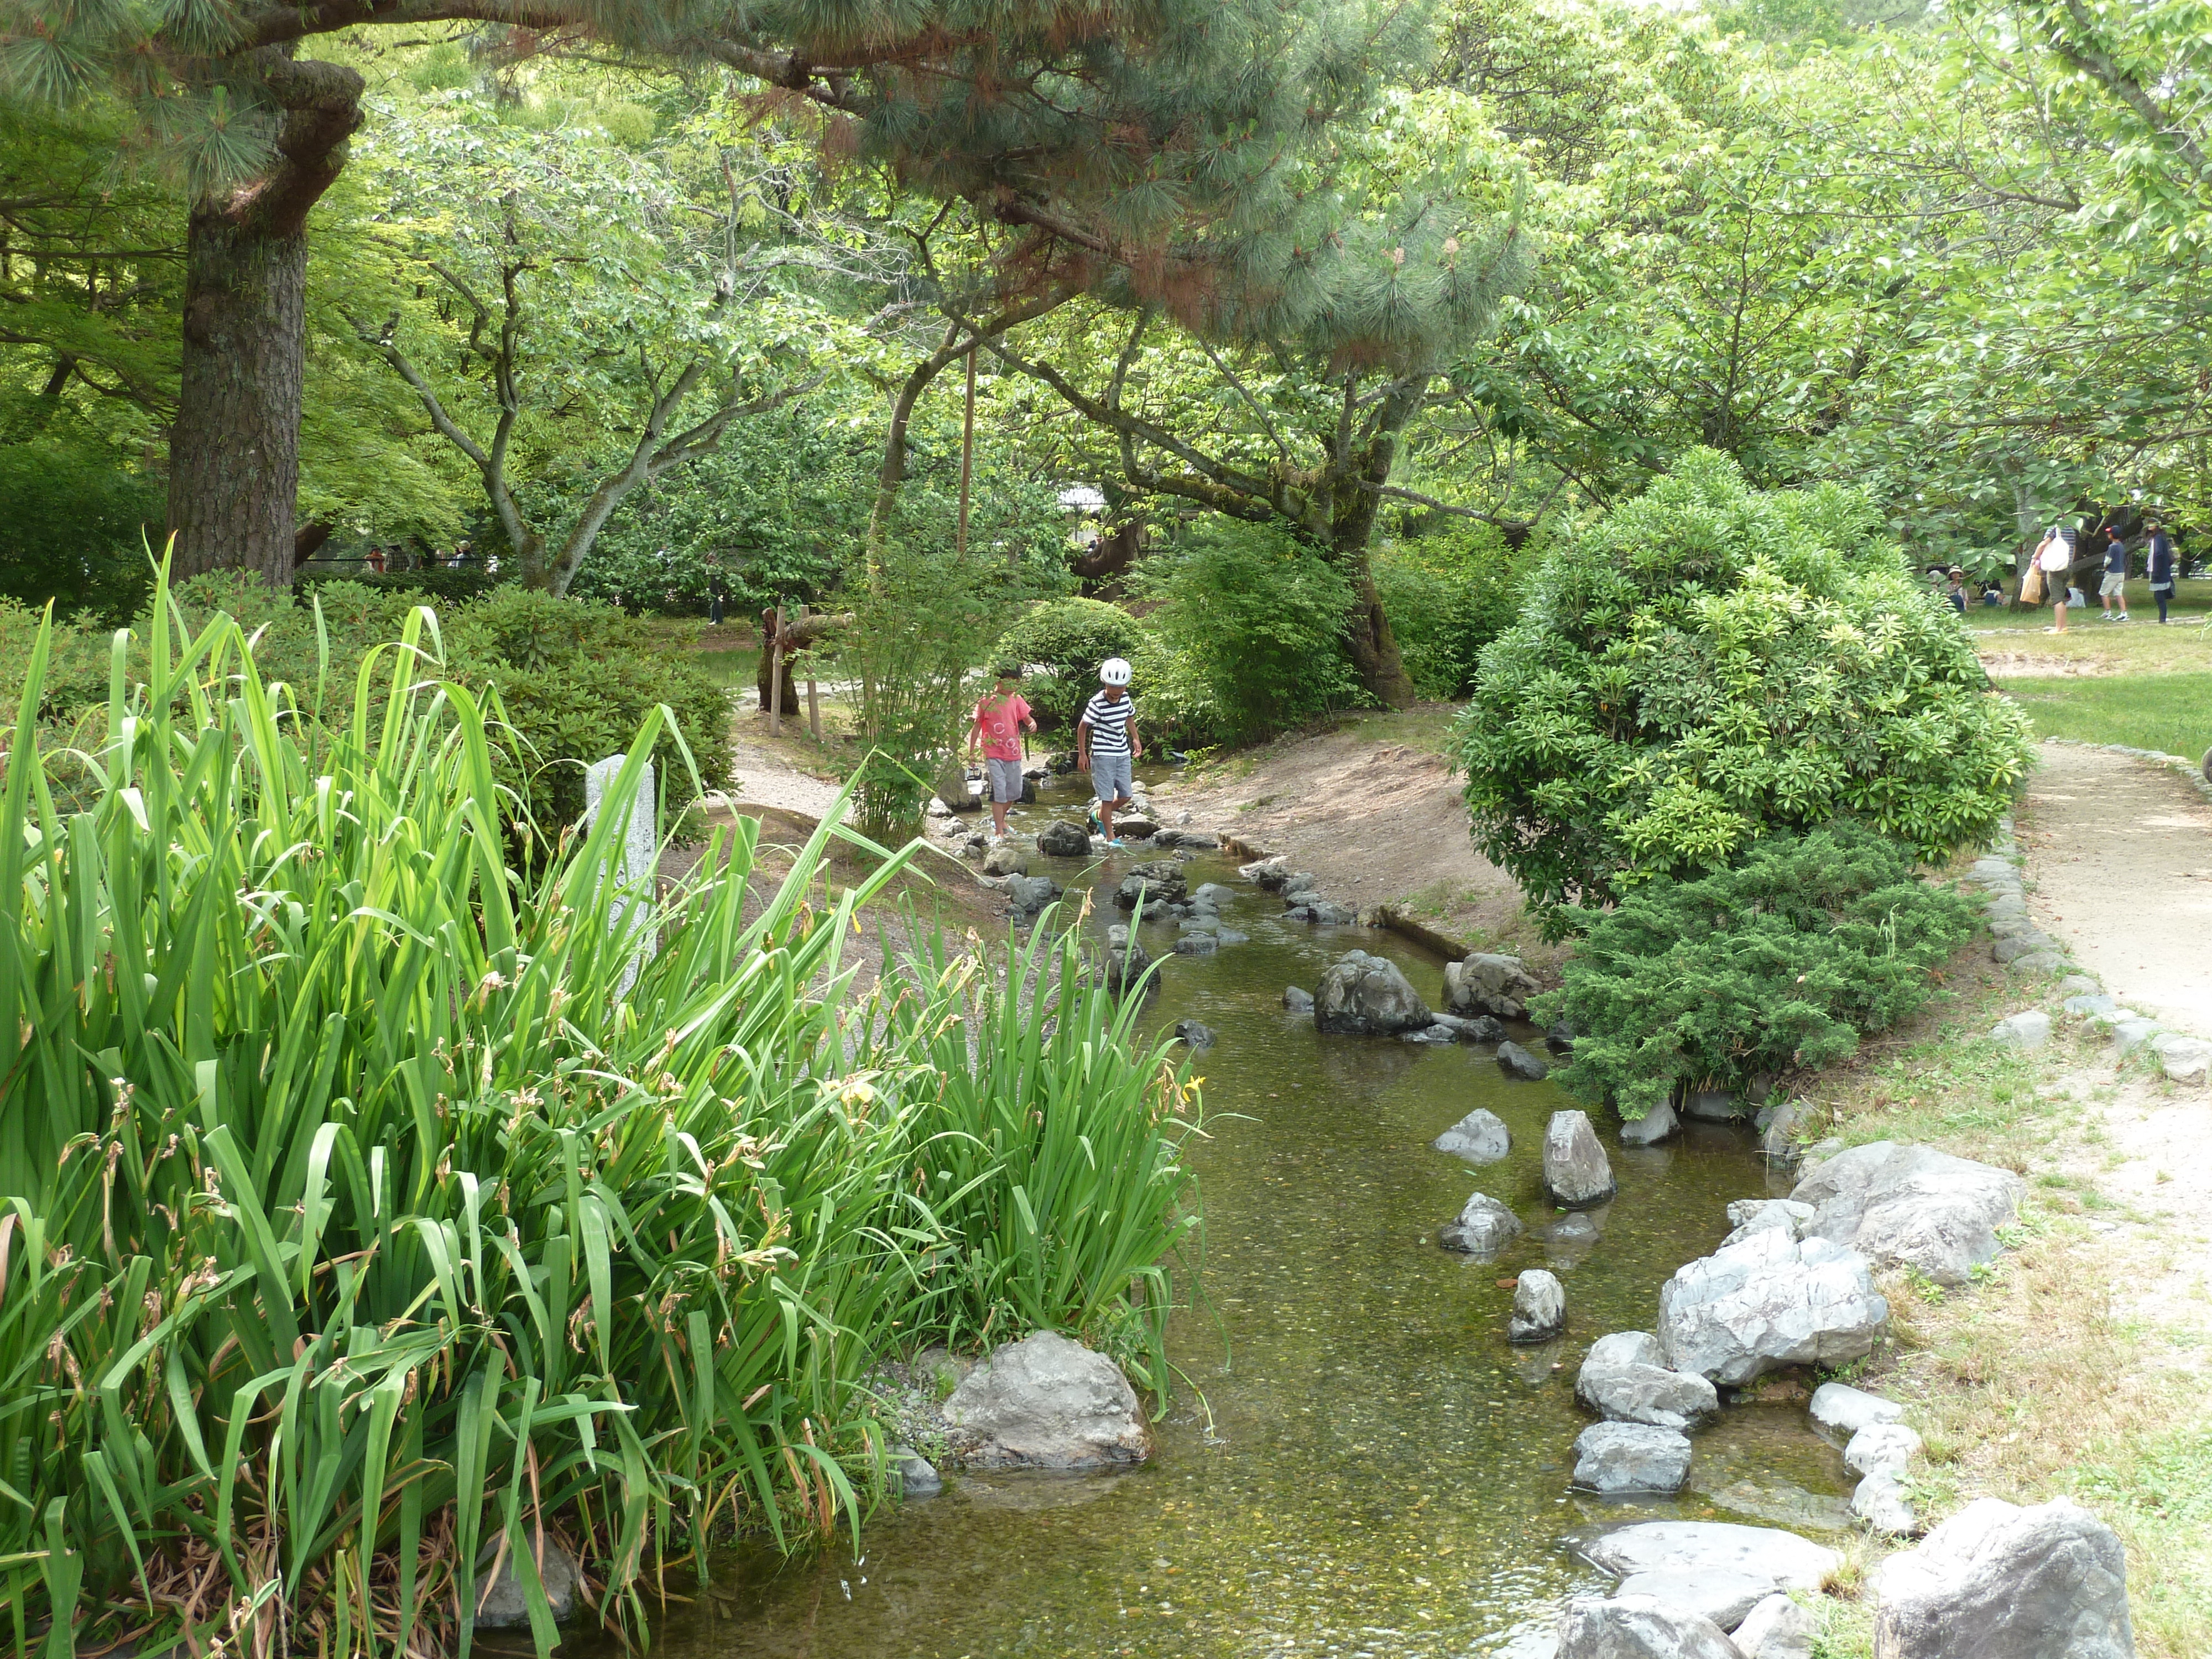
(1005, 779)
(1110, 776)
(2114, 584)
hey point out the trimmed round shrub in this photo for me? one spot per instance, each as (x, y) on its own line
(1071, 637)
(1709, 664)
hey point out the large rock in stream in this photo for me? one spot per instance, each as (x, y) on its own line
(1626, 1378)
(1912, 1206)
(1480, 1137)
(1787, 1561)
(1061, 840)
(1616, 1458)
(1487, 984)
(1047, 1403)
(1575, 1172)
(1767, 1301)
(1999, 1581)
(1638, 1627)
(1484, 1227)
(1361, 995)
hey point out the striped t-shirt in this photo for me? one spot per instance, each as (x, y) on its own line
(1108, 723)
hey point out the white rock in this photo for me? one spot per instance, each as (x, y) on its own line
(1654, 1126)
(1480, 1137)
(1791, 1562)
(1751, 1215)
(1631, 1457)
(1767, 1302)
(1999, 1581)
(1045, 1402)
(1840, 1411)
(1626, 1348)
(1880, 1501)
(1483, 1228)
(1638, 1627)
(1540, 1307)
(2031, 1030)
(1639, 1393)
(1726, 1597)
(2184, 1059)
(1881, 1448)
(2131, 1032)
(1913, 1207)
(1575, 1172)
(1778, 1628)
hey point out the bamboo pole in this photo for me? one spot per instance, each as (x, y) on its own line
(775, 676)
(967, 457)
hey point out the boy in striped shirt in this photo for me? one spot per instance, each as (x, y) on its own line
(1107, 744)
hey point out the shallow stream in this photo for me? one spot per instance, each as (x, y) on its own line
(1357, 1462)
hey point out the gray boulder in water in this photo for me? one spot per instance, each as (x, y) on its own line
(1638, 1627)
(1030, 894)
(1047, 1403)
(1999, 1581)
(1624, 1378)
(1483, 983)
(1575, 1172)
(1767, 1302)
(1062, 840)
(1625, 1457)
(1007, 859)
(1484, 1227)
(1480, 1137)
(1361, 995)
(1654, 1126)
(1790, 1561)
(1912, 1206)
(1517, 1062)
(1297, 1001)
(1126, 959)
(1194, 1033)
(1539, 1308)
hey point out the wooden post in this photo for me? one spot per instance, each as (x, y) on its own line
(967, 457)
(775, 677)
(813, 703)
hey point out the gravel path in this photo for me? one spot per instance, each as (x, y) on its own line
(2120, 862)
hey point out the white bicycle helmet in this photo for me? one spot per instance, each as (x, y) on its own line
(1114, 671)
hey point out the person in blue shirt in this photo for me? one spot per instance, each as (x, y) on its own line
(2115, 585)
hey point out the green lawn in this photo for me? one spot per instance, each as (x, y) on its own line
(2171, 713)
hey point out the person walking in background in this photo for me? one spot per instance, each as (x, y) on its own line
(1000, 719)
(2053, 553)
(2115, 585)
(1107, 745)
(2158, 565)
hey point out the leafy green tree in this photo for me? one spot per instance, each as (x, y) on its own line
(1708, 664)
(1092, 136)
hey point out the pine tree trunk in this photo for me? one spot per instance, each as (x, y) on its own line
(235, 450)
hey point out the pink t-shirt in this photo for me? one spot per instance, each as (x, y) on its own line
(1000, 719)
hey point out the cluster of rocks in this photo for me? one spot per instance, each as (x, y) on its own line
(1300, 893)
(1697, 1590)
(2182, 1058)
(1576, 1176)
(1878, 1448)
(1204, 928)
(2017, 942)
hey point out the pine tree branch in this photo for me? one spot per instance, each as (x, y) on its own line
(2100, 66)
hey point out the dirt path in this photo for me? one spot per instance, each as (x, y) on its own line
(2119, 857)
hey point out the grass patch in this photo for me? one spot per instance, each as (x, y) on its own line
(2150, 711)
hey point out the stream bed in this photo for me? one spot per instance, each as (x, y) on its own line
(1355, 1461)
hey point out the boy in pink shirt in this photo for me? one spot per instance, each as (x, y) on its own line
(1000, 719)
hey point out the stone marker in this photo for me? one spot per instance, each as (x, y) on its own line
(1480, 1137)
(1999, 1581)
(1637, 1628)
(1484, 1227)
(1047, 1403)
(635, 861)
(1613, 1458)
(1539, 1308)
(1768, 1301)
(1575, 1172)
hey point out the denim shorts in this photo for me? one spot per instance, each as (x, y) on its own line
(1110, 776)
(1005, 779)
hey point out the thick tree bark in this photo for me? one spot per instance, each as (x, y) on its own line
(235, 448)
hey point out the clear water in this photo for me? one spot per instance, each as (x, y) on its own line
(1358, 1462)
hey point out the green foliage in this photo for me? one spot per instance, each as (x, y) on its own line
(1070, 637)
(1447, 596)
(1779, 960)
(1708, 664)
(1249, 634)
(74, 528)
(373, 1200)
(431, 583)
